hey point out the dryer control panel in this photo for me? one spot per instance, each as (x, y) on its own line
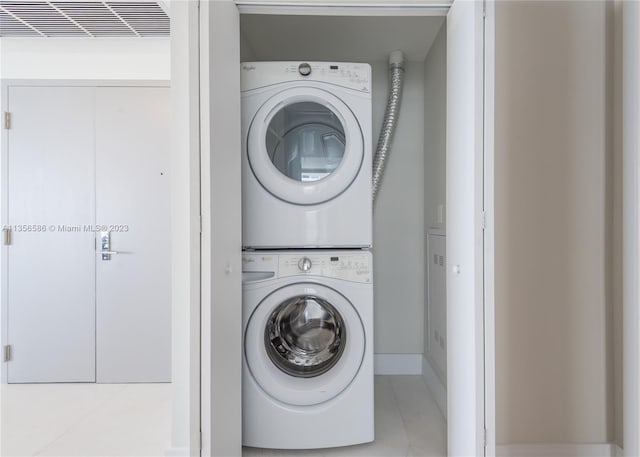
(356, 76)
(348, 266)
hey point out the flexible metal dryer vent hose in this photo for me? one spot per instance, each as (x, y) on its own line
(396, 70)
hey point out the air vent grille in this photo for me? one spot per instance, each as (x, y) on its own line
(82, 18)
(147, 19)
(10, 26)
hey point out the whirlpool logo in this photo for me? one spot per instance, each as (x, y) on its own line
(248, 67)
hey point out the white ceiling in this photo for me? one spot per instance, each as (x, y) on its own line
(337, 38)
(73, 18)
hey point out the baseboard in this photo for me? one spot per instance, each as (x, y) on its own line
(177, 452)
(557, 450)
(396, 364)
(435, 385)
(618, 451)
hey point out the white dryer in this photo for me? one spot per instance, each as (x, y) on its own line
(306, 155)
(308, 349)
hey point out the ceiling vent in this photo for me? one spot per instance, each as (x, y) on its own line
(83, 19)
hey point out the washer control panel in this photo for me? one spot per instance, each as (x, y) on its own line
(356, 76)
(348, 266)
(354, 267)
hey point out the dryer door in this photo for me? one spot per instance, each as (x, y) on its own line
(305, 146)
(304, 344)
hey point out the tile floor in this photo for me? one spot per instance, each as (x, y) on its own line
(85, 420)
(134, 420)
(408, 424)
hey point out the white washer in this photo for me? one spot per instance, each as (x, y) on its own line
(308, 349)
(306, 155)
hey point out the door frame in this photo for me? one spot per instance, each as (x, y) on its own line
(631, 196)
(631, 227)
(469, 295)
(186, 221)
(5, 85)
(489, 229)
(227, 266)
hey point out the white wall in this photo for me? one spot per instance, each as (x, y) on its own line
(84, 58)
(553, 381)
(398, 222)
(435, 109)
(247, 54)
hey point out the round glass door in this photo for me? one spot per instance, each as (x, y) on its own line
(305, 336)
(305, 141)
(305, 146)
(304, 343)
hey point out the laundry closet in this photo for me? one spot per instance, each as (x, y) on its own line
(415, 200)
(409, 213)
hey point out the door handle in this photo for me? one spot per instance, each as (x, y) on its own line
(105, 246)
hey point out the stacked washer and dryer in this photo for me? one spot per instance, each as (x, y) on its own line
(307, 265)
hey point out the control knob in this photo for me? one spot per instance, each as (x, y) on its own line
(304, 69)
(305, 264)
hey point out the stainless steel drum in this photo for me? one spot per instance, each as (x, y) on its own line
(305, 336)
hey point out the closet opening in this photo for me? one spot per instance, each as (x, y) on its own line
(409, 215)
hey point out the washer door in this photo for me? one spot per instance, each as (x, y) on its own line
(305, 146)
(304, 344)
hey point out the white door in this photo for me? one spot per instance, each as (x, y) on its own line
(51, 265)
(220, 136)
(133, 294)
(83, 160)
(464, 245)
